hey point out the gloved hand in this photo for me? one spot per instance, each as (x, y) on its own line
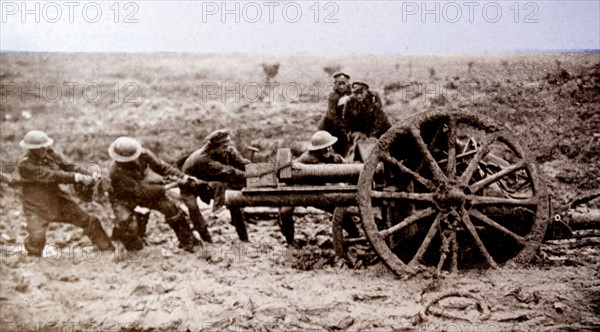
(188, 181)
(81, 178)
(357, 136)
(87, 179)
(184, 180)
(96, 177)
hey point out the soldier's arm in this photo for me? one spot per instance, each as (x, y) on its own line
(236, 159)
(73, 167)
(338, 159)
(382, 123)
(6, 178)
(159, 166)
(328, 121)
(376, 99)
(42, 174)
(216, 171)
(332, 102)
(129, 187)
(349, 116)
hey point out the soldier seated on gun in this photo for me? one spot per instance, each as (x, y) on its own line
(132, 187)
(320, 151)
(41, 170)
(221, 164)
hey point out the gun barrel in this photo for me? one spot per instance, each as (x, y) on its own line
(317, 196)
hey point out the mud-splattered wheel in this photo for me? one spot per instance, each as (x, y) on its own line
(460, 192)
(349, 240)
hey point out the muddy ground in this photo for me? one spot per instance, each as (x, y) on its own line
(550, 102)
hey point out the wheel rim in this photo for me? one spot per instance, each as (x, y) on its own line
(353, 249)
(458, 201)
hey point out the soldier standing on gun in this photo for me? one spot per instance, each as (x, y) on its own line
(333, 121)
(131, 187)
(221, 164)
(41, 171)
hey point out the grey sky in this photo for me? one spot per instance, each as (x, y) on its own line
(289, 26)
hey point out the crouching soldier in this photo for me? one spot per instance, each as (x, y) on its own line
(41, 171)
(220, 163)
(320, 151)
(131, 187)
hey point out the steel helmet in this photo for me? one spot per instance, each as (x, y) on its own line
(35, 139)
(125, 149)
(320, 140)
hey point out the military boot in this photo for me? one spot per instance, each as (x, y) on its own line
(182, 230)
(237, 219)
(96, 233)
(128, 234)
(200, 225)
(286, 223)
(142, 222)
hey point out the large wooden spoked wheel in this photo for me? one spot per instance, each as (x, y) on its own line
(464, 194)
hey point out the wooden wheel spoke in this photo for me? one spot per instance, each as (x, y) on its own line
(387, 157)
(488, 221)
(490, 200)
(426, 241)
(416, 216)
(433, 165)
(475, 187)
(355, 240)
(459, 156)
(451, 165)
(483, 150)
(423, 197)
(466, 220)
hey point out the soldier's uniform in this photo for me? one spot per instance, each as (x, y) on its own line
(310, 157)
(218, 161)
(332, 121)
(132, 186)
(44, 201)
(366, 116)
(320, 141)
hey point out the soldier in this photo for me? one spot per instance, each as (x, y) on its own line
(219, 161)
(333, 121)
(320, 151)
(363, 115)
(41, 170)
(132, 187)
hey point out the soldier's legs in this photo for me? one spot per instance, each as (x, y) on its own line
(219, 194)
(126, 228)
(176, 219)
(237, 220)
(189, 199)
(36, 234)
(286, 223)
(92, 228)
(237, 215)
(349, 225)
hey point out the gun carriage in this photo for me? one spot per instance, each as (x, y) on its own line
(450, 189)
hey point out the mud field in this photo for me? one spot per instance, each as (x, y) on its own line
(171, 101)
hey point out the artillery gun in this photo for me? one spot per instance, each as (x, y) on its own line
(450, 189)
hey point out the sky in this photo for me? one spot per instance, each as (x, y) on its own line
(418, 27)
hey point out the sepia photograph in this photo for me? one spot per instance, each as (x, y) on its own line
(306, 165)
